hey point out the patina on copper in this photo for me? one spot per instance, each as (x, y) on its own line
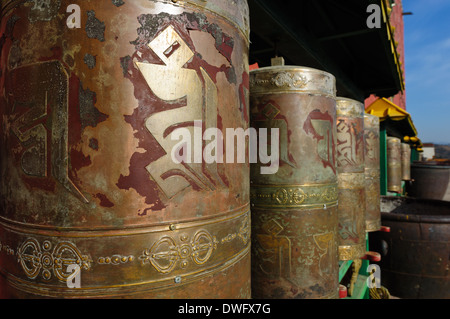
(87, 178)
(372, 171)
(294, 211)
(394, 164)
(351, 178)
(406, 162)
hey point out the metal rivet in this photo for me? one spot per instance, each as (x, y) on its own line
(172, 227)
(178, 279)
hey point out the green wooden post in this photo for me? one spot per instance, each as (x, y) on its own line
(364, 267)
(414, 155)
(383, 159)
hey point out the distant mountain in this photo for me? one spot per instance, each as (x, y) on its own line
(442, 151)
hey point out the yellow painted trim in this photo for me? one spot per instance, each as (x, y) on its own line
(391, 39)
(383, 108)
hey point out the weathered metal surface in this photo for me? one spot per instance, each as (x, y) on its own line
(87, 177)
(394, 165)
(351, 178)
(431, 180)
(372, 171)
(406, 161)
(294, 211)
(415, 253)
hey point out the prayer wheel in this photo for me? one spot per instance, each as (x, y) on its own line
(99, 198)
(372, 171)
(394, 164)
(406, 162)
(294, 205)
(351, 179)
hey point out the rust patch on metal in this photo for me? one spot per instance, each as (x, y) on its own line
(44, 10)
(118, 3)
(90, 115)
(95, 29)
(90, 60)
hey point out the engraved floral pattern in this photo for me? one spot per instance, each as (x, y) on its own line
(167, 252)
(292, 80)
(37, 259)
(294, 196)
(180, 252)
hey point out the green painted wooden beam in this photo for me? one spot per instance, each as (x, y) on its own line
(414, 155)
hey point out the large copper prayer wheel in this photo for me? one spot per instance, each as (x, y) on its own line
(394, 164)
(351, 178)
(97, 191)
(372, 171)
(294, 206)
(406, 162)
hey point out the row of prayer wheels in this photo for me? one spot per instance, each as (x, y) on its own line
(398, 163)
(315, 211)
(98, 200)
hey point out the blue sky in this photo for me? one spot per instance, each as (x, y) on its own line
(427, 68)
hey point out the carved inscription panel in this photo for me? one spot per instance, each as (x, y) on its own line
(42, 129)
(174, 82)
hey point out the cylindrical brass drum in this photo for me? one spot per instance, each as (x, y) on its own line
(372, 171)
(406, 162)
(294, 204)
(394, 165)
(351, 179)
(103, 184)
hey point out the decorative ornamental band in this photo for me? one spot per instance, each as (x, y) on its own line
(288, 79)
(294, 196)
